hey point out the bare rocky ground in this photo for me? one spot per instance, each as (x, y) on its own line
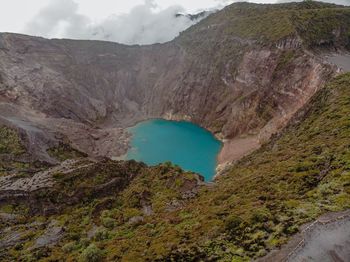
(90, 92)
(39, 180)
(234, 149)
(342, 60)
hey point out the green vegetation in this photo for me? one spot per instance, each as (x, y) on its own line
(14, 157)
(256, 207)
(317, 23)
(64, 151)
(11, 148)
(323, 27)
(91, 254)
(290, 181)
(10, 142)
(260, 25)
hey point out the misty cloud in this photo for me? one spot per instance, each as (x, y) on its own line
(142, 25)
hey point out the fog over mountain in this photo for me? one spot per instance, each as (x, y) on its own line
(143, 24)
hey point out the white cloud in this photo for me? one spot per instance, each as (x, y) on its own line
(142, 25)
(59, 17)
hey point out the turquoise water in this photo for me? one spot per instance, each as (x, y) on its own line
(185, 144)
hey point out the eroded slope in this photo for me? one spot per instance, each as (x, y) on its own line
(241, 73)
(162, 213)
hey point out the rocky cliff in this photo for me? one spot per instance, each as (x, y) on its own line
(241, 73)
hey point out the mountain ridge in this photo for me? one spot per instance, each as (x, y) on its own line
(206, 82)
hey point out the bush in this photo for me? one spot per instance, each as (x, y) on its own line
(10, 142)
(234, 224)
(69, 247)
(260, 216)
(84, 242)
(101, 234)
(91, 254)
(108, 222)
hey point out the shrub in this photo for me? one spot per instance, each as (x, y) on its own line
(10, 142)
(69, 247)
(108, 222)
(260, 216)
(84, 242)
(91, 254)
(101, 234)
(234, 224)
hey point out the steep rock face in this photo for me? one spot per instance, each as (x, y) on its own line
(218, 74)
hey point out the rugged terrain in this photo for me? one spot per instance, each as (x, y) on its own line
(255, 75)
(108, 210)
(240, 78)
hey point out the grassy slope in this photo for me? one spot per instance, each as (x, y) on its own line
(264, 199)
(107, 212)
(256, 207)
(313, 22)
(290, 181)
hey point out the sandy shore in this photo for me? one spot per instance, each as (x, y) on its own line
(236, 148)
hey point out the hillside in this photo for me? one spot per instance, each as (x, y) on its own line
(135, 213)
(252, 74)
(241, 73)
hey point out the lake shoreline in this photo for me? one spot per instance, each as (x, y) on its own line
(231, 149)
(183, 130)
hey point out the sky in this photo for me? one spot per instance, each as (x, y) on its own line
(128, 22)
